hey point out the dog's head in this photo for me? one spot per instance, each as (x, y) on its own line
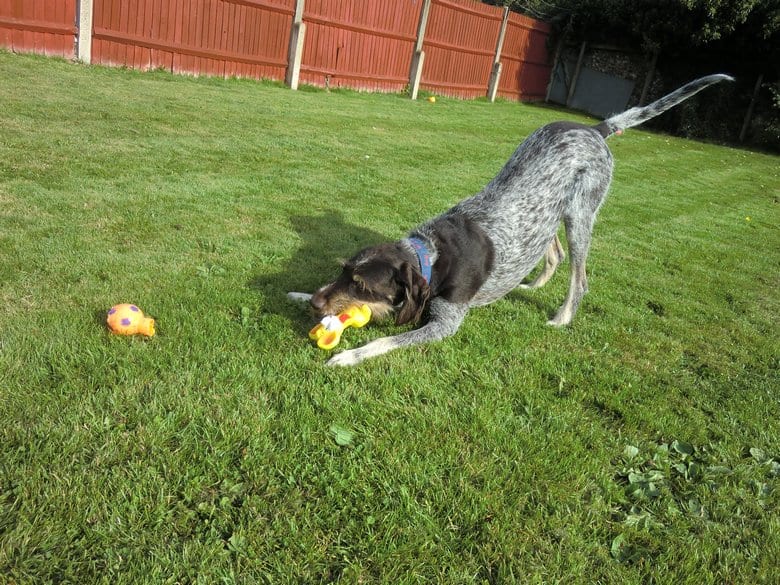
(381, 277)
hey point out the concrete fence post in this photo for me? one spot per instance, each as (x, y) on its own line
(649, 78)
(576, 76)
(418, 57)
(295, 51)
(749, 113)
(495, 74)
(558, 49)
(84, 38)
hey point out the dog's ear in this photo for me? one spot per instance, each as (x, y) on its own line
(360, 281)
(416, 295)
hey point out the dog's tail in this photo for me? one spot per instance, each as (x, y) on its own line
(636, 116)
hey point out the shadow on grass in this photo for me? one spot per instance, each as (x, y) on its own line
(527, 297)
(326, 240)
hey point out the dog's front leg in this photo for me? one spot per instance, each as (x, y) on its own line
(445, 319)
(299, 297)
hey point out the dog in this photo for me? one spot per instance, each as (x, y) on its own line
(481, 249)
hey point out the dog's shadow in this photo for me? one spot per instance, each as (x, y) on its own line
(326, 240)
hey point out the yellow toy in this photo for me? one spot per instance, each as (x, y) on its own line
(127, 319)
(328, 332)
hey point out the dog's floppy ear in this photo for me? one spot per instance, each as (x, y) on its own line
(416, 295)
(360, 281)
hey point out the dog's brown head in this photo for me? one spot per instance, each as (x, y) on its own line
(383, 277)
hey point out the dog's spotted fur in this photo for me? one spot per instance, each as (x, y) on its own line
(483, 247)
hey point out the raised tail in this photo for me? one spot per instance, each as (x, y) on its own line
(636, 116)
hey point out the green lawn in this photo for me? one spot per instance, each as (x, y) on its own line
(639, 445)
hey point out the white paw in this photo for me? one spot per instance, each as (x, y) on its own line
(299, 297)
(349, 357)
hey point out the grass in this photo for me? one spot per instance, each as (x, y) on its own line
(639, 445)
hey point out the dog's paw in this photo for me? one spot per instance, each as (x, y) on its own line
(349, 357)
(299, 297)
(352, 357)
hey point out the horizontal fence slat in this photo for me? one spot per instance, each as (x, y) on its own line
(269, 6)
(374, 31)
(459, 49)
(138, 41)
(37, 26)
(353, 75)
(474, 11)
(454, 85)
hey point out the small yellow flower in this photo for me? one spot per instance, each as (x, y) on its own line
(747, 218)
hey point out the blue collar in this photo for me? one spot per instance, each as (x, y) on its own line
(424, 256)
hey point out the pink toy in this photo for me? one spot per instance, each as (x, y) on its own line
(127, 319)
(328, 332)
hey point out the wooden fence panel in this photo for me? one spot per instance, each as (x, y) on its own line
(362, 44)
(242, 38)
(460, 45)
(39, 26)
(525, 60)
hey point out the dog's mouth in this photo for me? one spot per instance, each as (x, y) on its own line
(335, 304)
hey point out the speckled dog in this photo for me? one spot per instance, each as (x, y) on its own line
(482, 248)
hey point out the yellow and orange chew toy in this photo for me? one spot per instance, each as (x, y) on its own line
(127, 319)
(327, 333)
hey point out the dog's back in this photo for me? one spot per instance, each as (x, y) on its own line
(557, 169)
(562, 170)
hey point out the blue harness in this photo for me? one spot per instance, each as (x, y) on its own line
(424, 256)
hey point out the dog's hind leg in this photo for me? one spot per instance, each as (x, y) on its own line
(578, 232)
(553, 256)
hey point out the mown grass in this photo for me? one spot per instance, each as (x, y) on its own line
(639, 445)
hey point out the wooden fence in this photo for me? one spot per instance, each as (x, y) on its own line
(241, 38)
(365, 44)
(459, 48)
(38, 26)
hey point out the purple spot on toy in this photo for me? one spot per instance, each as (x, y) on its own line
(112, 310)
(126, 321)
(134, 308)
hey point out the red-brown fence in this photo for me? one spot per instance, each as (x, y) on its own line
(38, 26)
(362, 44)
(365, 44)
(524, 59)
(242, 38)
(460, 45)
